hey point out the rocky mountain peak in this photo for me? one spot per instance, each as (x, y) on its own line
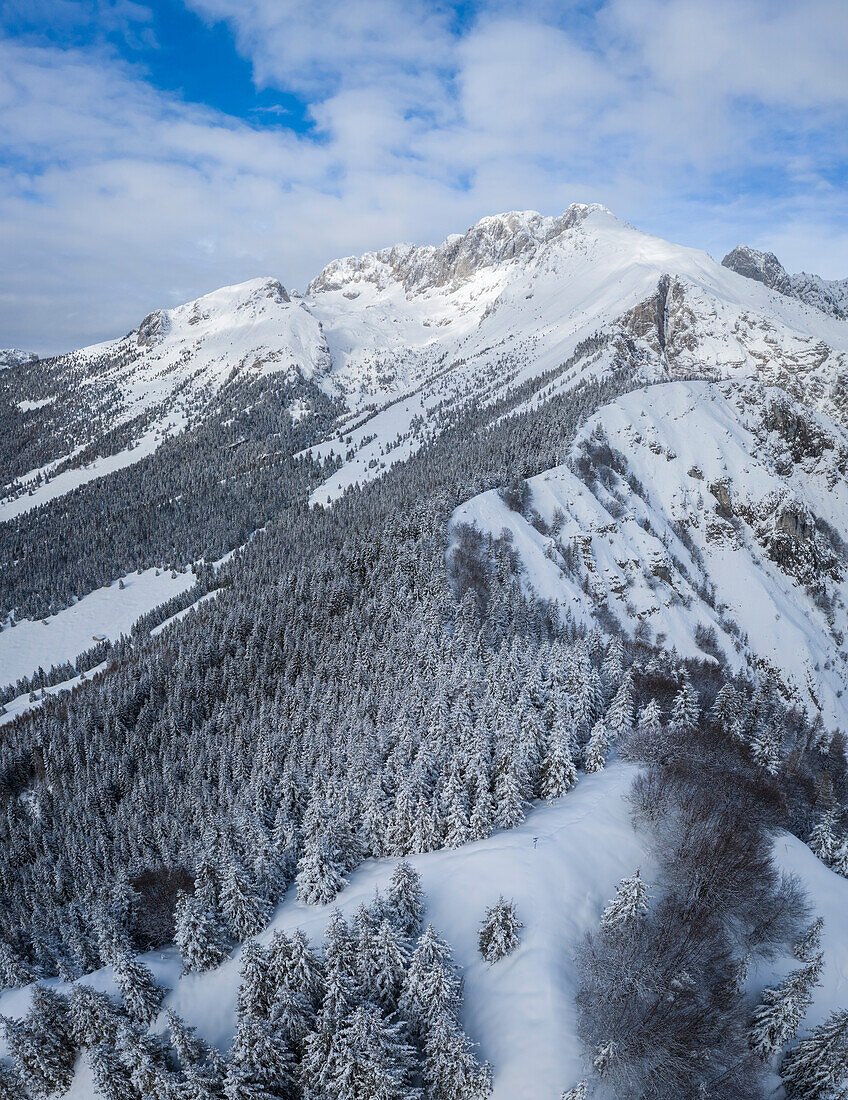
(494, 240)
(763, 267)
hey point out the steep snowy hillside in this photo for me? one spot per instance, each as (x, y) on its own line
(828, 295)
(708, 517)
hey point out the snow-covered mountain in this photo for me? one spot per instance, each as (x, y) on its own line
(400, 334)
(828, 295)
(714, 516)
(13, 357)
(386, 568)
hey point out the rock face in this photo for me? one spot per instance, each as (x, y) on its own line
(495, 240)
(153, 328)
(828, 295)
(763, 267)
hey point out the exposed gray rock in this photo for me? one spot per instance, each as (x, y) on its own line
(828, 295)
(763, 267)
(495, 240)
(153, 328)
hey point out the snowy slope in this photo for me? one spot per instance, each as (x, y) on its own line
(560, 866)
(404, 333)
(737, 490)
(104, 614)
(828, 295)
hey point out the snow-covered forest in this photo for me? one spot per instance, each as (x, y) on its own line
(431, 715)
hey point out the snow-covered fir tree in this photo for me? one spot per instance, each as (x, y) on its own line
(498, 935)
(816, 1068)
(629, 904)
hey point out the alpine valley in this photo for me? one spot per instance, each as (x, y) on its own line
(431, 684)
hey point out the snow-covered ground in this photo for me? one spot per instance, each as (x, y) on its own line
(104, 613)
(689, 444)
(560, 867)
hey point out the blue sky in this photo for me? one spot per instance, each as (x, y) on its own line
(150, 151)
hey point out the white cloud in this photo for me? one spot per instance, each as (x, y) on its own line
(706, 123)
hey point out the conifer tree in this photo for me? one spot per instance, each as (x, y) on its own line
(254, 995)
(11, 1087)
(245, 910)
(373, 1060)
(432, 986)
(110, 1075)
(498, 936)
(597, 748)
(319, 875)
(93, 1017)
(451, 1072)
(808, 947)
(629, 904)
(823, 836)
(684, 710)
(139, 991)
(816, 1067)
(577, 1093)
(783, 1007)
(558, 772)
(405, 900)
(198, 935)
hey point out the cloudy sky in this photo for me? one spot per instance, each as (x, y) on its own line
(151, 151)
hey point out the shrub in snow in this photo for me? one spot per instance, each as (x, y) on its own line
(498, 935)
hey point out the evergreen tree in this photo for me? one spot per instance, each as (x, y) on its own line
(319, 875)
(684, 710)
(11, 1087)
(139, 991)
(245, 910)
(816, 1068)
(42, 1046)
(498, 936)
(808, 947)
(432, 986)
(93, 1017)
(110, 1075)
(405, 900)
(597, 748)
(823, 837)
(198, 935)
(255, 994)
(778, 1017)
(373, 1062)
(577, 1093)
(558, 772)
(629, 904)
(451, 1072)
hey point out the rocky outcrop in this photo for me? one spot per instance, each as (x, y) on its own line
(153, 328)
(762, 267)
(502, 238)
(828, 295)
